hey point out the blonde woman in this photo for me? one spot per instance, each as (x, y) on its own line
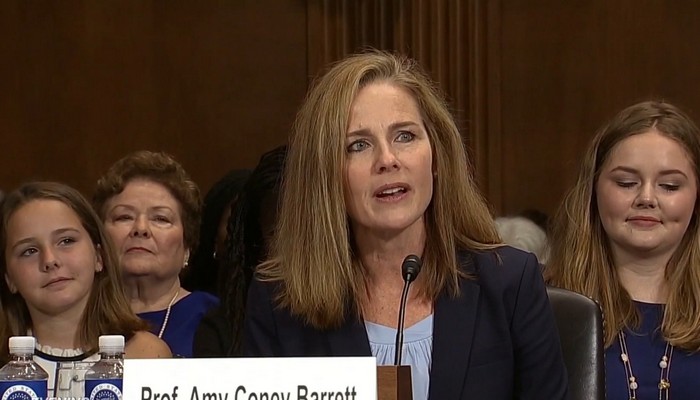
(627, 236)
(377, 170)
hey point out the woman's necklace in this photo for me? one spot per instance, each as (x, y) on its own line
(167, 314)
(664, 366)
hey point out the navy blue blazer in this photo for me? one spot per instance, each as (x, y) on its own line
(496, 340)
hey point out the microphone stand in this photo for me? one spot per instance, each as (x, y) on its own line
(402, 315)
(410, 268)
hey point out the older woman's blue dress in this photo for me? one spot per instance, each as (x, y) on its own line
(185, 316)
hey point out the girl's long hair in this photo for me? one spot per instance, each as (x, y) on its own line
(581, 257)
(107, 310)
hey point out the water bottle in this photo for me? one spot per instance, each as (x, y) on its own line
(22, 378)
(104, 380)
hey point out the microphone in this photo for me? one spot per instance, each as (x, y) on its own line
(410, 268)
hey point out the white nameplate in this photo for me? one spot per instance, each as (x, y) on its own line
(318, 378)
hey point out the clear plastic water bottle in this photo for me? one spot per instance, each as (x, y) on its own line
(104, 380)
(22, 378)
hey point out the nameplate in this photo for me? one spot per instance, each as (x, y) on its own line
(322, 378)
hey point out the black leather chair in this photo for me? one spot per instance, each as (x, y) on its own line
(580, 324)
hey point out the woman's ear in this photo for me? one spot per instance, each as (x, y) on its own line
(10, 284)
(99, 265)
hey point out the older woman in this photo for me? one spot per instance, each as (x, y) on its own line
(151, 210)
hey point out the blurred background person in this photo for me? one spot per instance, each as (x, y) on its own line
(62, 283)
(206, 260)
(524, 234)
(151, 209)
(251, 226)
(377, 171)
(627, 236)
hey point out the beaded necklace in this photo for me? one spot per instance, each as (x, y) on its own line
(167, 314)
(664, 366)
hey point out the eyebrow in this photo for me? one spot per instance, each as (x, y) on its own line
(132, 208)
(392, 127)
(635, 171)
(59, 231)
(116, 206)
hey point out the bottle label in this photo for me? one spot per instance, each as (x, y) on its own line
(23, 390)
(103, 389)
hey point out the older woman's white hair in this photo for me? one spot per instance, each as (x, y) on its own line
(524, 234)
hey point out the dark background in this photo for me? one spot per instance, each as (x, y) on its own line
(217, 83)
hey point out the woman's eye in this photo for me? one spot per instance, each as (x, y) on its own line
(670, 187)
(626, 184)
(405, 136)
(123, 217)
(28, 252)
(161, 219)
(357, 145)
(66, 241)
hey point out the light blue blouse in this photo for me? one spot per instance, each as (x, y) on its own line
(417, 351)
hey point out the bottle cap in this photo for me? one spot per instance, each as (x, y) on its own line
(22, 344)
(111, 344)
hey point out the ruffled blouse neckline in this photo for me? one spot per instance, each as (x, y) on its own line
(56, 351)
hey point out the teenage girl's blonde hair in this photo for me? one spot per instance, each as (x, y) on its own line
(581, 258)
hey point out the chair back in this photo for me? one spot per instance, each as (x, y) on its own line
(580, 325)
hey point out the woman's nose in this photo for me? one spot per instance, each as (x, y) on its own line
(386, 159)
(140, 228)
(49, 260)
(646, 198)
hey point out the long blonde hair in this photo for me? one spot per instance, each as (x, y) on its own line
(581, 257)
(107, 310)
(311, 253)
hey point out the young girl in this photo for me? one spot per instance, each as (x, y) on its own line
(62, 284)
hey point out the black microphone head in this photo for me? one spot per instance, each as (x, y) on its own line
(410, 268)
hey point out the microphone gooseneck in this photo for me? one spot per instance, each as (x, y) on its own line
(410, 268)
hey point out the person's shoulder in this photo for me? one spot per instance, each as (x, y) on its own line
(511, 256)
(144, 344)
(205, 299)
(264, 299)
(260, 288)
(500, 256)
(502, 262)
(504, 274)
